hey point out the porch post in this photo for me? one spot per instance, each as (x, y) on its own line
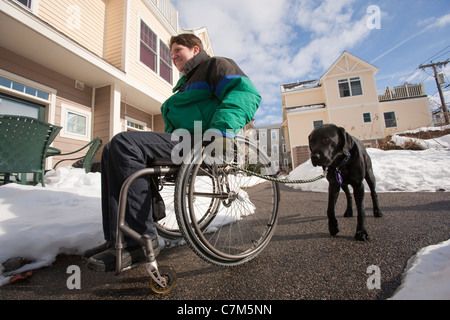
(115, 124)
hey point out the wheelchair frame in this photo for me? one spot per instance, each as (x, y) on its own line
(206, 244)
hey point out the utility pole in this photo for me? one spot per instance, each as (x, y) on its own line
(441, 94)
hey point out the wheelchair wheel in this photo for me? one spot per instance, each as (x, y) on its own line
(168, 227)
(171, 278)
(246, 219)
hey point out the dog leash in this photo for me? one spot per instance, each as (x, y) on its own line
(272, 178)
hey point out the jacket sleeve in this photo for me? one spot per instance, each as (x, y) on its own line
(239, 99)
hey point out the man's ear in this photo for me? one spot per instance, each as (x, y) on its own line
(196, 50)
(346, 140)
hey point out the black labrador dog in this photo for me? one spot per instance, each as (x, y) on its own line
(348, 164)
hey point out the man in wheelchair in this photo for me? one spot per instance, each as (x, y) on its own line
(213, 91)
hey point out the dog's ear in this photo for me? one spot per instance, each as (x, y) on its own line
(346, 140)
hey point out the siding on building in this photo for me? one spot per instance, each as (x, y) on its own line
(115, 29)
(82, 21)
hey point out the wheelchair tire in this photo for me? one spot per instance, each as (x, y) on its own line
(168, 227)
(246, 219)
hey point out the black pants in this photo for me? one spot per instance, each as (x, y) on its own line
(127, 153)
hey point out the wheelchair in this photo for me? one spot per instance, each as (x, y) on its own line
(224, 207)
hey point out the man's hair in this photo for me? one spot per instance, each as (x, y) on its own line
(186, 39)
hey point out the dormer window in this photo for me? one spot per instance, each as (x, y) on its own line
(350, 87)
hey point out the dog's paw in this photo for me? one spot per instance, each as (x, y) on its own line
(377, 213)
(333, 228)
(348, 214)
(362, 235)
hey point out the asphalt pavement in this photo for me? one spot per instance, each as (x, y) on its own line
(302, 261)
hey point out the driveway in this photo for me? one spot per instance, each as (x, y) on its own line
(301, 262)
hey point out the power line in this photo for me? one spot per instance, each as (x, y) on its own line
(443, 54)
(430, 59)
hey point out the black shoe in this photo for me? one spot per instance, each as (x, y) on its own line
(106, 260)
(98, 249)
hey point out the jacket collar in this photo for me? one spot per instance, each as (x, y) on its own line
(190, 66)
(202, 56)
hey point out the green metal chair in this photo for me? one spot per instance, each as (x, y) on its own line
(24, 144)
(94, 146)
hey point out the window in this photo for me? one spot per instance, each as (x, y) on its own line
(276, 165)
(19, 87)
(16, 106)
(317, 123)
(274, 149)
(165, 64)
(135, 125)
(350, 87)
(76, 123)
(367, 117)
(26, 3)
(390, 119)
(148, 47)
(149, 54)
(274, 134)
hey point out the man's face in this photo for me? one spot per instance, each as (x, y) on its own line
(181, 55)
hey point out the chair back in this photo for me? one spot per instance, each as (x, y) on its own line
(23, 143)
(90, 154)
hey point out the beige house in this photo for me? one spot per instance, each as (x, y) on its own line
(95, 67)
(346, 95)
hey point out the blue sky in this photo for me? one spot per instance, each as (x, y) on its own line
(284, 41)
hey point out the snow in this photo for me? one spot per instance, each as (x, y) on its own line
(429, 269)
(301, 86)
(395, 171)
(39, 223)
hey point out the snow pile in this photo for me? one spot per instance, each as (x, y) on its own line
(39, 223)
(427, 276)
(436, 143)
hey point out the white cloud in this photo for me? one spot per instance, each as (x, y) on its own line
(324, 18)
(441, 22)
(277, 42)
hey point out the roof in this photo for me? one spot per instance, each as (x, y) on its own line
(317, 83)
(348, 54)
(300, 85)
(305, 108)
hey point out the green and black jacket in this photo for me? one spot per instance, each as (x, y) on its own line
(214, 91)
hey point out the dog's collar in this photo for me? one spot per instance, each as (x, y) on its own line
(344, 162)
(338, 169)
